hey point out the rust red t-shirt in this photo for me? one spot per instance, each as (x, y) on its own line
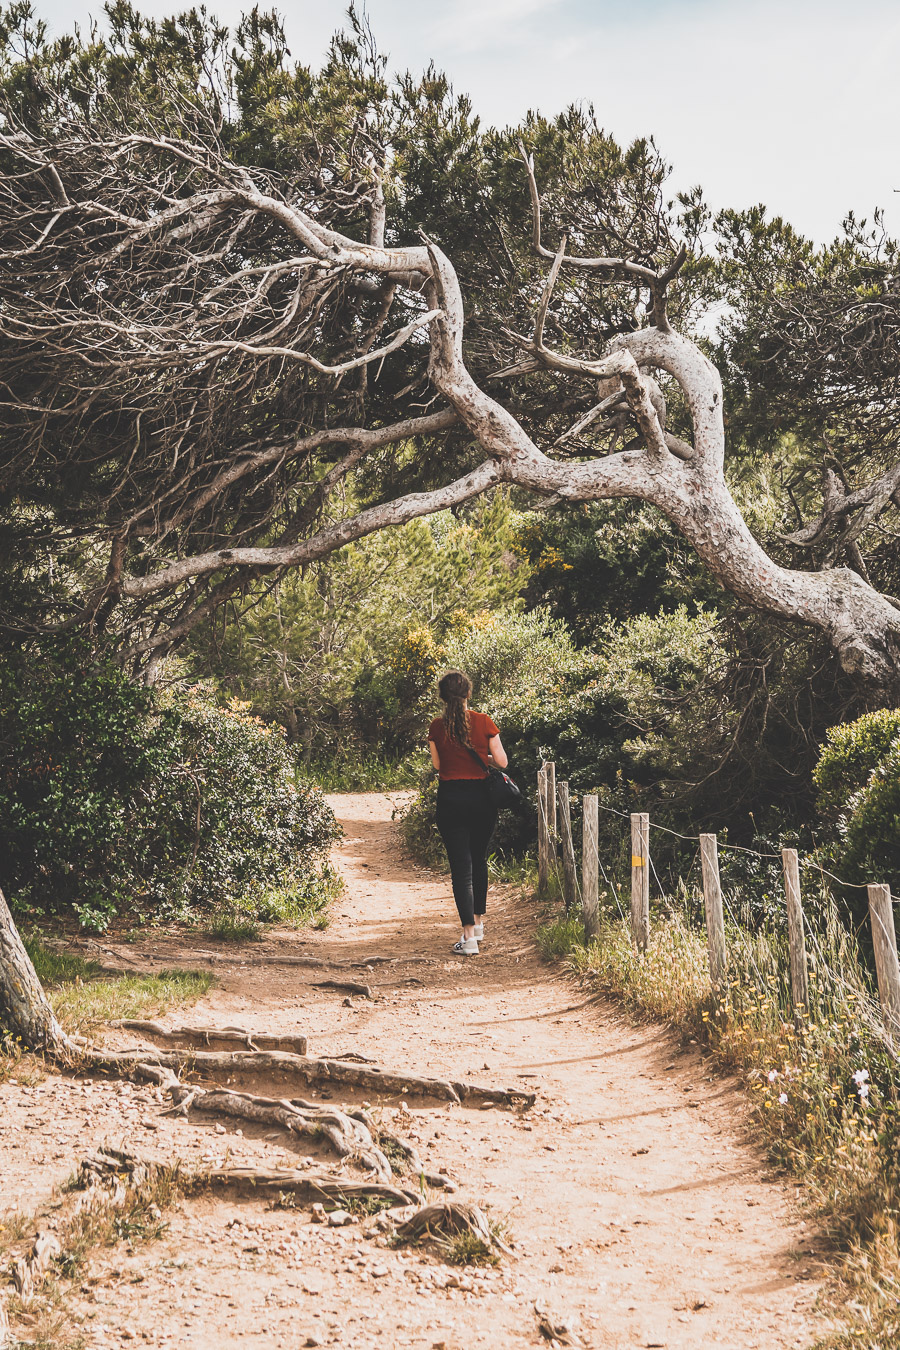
(456, 760)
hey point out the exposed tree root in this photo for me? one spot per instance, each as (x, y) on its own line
(349, 1136)
(110, 1165)
(372, 1078)
(449, 1219)
(230, 959)
(346, 987)
(306, 1188)
(209, 1036)
(394, 1144)
(28, 1271)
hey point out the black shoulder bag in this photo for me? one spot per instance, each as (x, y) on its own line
(503, 791)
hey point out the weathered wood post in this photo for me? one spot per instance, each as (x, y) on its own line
(550, 766)
(796, 935)
(887, 966)
(640, 879)
(543, 830)
(715, 918)
(590, 866)
(567, 848)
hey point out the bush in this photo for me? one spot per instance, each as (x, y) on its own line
(113, 803)
(851, 755)
(858, 777)
(417, 824)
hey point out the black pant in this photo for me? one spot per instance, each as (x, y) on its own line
(466, 817)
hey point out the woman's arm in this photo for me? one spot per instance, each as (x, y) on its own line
(498, 754)
(435, 757)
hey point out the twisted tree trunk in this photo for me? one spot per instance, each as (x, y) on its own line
(25, 1013)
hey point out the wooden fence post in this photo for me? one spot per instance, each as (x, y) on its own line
(550, 767)
(543, 830)
(567, 848)
(715, 918)
(590, 866)
(887, 966)
(640, 879)
(796, 934)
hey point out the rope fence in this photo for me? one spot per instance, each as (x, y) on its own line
(556, 856)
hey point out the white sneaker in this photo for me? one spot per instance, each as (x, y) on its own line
(465, 947)
(479, 932)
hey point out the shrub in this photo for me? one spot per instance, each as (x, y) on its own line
(851, 755)
(858, 777)
(114, 803)
(417, 824)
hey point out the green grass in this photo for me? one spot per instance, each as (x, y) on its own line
(53, 967)
(370, 774)
(808, 1108)
(83, 996)
(467, 1249)
(81, 1007)
(301, 905)
(560, 937)
(229, 925)
(513, 871)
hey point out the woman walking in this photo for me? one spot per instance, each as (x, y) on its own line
(463, 743)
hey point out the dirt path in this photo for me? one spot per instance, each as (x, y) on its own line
(634, 1198)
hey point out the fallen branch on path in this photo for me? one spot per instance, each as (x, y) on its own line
(557, 1330)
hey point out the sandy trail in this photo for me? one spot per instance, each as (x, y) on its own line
(633, 1192)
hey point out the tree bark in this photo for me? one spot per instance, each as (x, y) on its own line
(686, 481)
(25, 1013)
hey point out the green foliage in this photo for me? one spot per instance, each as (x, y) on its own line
(346, 655)
(301, 903)
(858, 777)
(417, 824)
(851, 755)
(365, 773)
(113, 803)
(603, 561)
(55, 967)
(82, 995)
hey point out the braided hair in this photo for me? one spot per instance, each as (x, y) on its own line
(454, 688)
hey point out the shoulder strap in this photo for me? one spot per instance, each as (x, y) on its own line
(475, 755)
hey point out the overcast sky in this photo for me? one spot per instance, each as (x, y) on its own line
(793, 103)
